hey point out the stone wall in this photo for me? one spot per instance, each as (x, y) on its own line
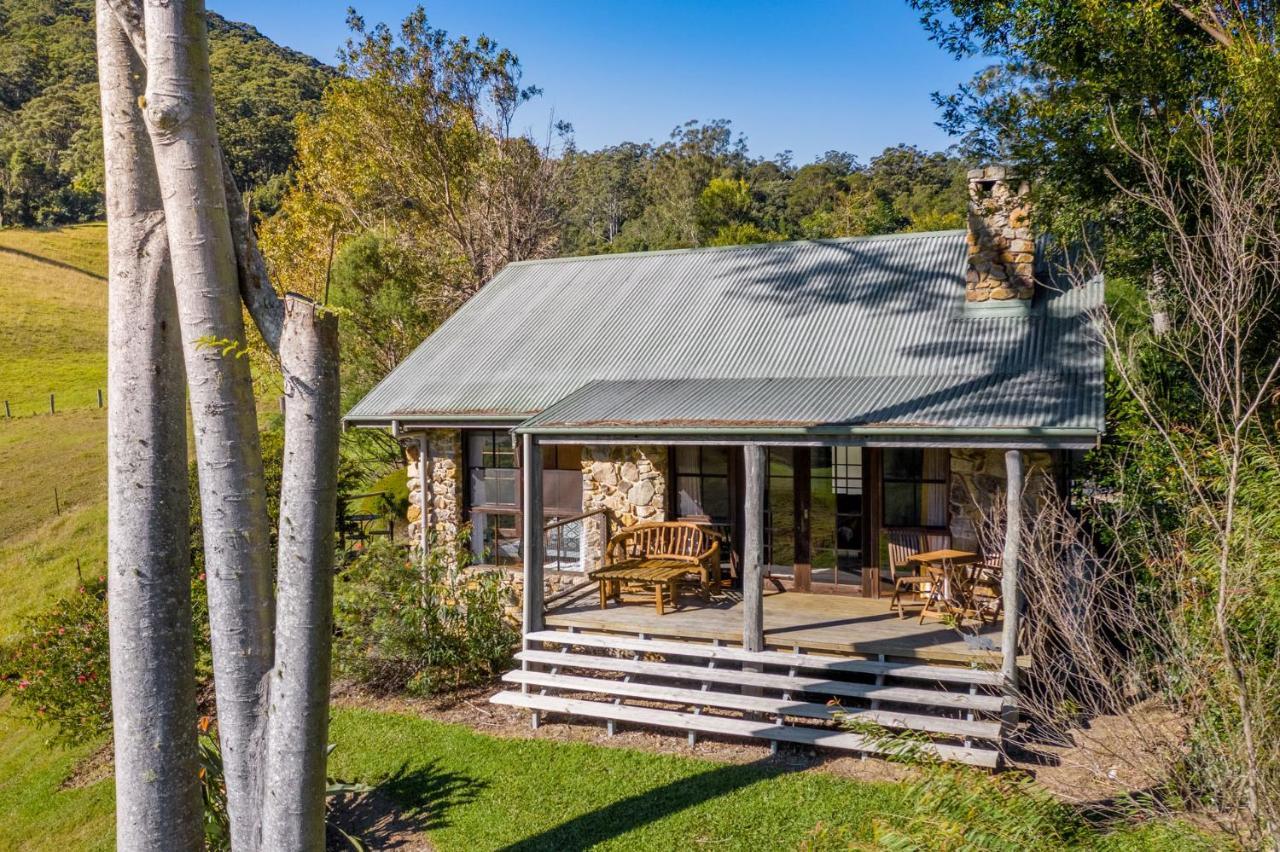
(1001, 246)
(978, 483)
(435, 506)
(630, 482)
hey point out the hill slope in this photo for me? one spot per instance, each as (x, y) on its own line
(50, 129)
(53, 338)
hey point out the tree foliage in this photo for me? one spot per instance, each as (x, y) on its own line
(51, 131)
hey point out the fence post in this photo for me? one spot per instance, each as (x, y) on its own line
(99, 397)
(51, 408)
(57, 506)
(7, 412)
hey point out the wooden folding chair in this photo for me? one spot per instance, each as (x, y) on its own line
(902, 546)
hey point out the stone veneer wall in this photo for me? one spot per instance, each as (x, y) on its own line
(978, 480)
(435, 506)
(1001, 247)
(631, 482)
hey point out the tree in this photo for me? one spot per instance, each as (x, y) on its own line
(1065, 71)
(149, 608)
(416, 144)
(272, 691)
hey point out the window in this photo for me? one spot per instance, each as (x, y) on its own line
(492, 472)
(915, 487)
(835, 515)
(561, 479)
(493, 495)
(702, 484)
(780, 512)
(494, 500)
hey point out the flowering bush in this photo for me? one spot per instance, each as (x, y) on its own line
(420, 624)
(56, 667)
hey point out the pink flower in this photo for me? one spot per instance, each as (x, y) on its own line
(22, 684)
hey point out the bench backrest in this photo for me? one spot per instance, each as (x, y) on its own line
(671, 539)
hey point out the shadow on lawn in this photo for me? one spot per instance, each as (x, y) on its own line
(396, 813)
(659, 803)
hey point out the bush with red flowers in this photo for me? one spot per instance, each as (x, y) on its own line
(56, 666)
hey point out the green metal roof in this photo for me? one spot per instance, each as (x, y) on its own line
(822, 337)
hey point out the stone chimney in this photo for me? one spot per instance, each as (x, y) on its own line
(1002, 252)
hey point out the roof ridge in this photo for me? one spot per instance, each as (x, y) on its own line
(865, 238)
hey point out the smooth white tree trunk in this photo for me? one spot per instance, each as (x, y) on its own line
(148, 559)
(298, 708)
(179, 115)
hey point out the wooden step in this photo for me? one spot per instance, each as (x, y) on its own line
(753, 703)
(785, 683)
(704, 723)
(941, 674)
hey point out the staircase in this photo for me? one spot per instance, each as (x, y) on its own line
(771, 695)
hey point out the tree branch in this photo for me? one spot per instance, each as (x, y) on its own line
(256, 290)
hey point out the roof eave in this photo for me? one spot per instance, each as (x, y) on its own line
(889, 435)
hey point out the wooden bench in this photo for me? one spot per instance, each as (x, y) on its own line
(661, 577)
(656, 557)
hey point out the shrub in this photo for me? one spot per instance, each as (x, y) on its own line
(420, 624)
(57, 669)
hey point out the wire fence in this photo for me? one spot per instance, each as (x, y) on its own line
(54, 403)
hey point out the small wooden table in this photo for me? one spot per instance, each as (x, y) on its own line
(952, 592)
(661, 576)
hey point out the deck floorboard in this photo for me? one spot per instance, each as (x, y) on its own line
(794, 620)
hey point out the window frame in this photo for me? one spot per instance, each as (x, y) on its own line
(919, 482)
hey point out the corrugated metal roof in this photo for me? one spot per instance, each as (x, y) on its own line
(1037, 401)
(862, 330)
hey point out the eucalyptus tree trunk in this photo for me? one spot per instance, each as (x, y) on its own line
(298, 702)
(179, 115)
(148, 557)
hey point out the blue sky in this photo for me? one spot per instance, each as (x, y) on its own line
(805, 76)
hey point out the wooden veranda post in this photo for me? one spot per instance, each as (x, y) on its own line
(753, 549)
(1009, 584)
(531, 539)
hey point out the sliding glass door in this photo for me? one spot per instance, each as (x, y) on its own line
(815, 533)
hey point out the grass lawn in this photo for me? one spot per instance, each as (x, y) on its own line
(35, 814)
(474, 792)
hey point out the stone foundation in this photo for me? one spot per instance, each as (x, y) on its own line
(1001, 246)
(630, 482)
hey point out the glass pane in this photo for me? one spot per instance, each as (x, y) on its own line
(495, 539)
(780, 508)
(934, 465)
(562, 491)
(715, 460)
(686, 459)
(478, 445)
(901, 504)
(903, 463)
(781, 461)
(715, 498)
(689, 495)
(493, 487)
(935, 504)
(502, 452)
(846, 469)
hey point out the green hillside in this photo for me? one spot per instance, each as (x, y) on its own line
(50, 129)
(53, 339)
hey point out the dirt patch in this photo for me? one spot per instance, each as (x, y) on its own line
(90, 769)
(1107, 759)
(378, 822)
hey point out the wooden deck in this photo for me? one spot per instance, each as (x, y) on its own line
(793, 621)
